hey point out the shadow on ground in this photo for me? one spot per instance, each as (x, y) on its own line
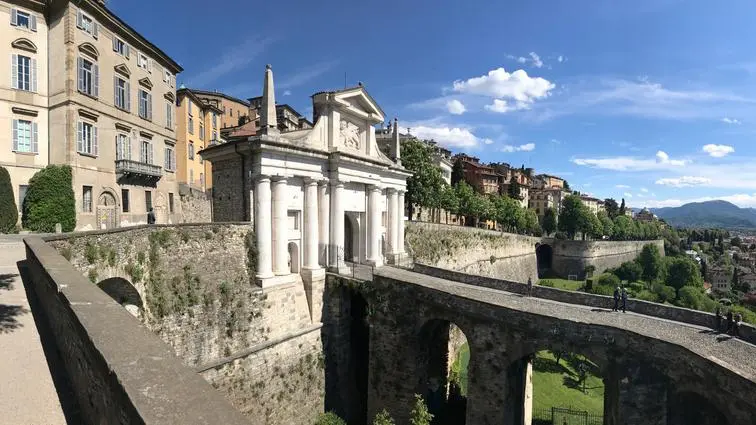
(9, 317)
(6, 281)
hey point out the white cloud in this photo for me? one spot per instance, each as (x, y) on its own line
(537, 62)
(451, 137)
(560, 58)
(730, 120)
(488, 141)
(718, 151)
(622, 186)
(661, 161)
(739, 199)
(232, 59)
(287, 93)
(643, 189)
(455, 107)
(528, 147)
(556, 141)
(684, 181)
(628, 195)
(502, 85)
(308, 73)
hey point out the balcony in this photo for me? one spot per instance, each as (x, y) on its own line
(137, 173)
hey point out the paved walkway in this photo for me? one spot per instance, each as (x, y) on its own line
(27, 393)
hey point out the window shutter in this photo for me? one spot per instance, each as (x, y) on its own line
(96, 72)
(119, 147)
(128, 147)
(115, 44)
(149, 106)
(149, 153)
(95, 148)
(95, 29)
(149, 65)
(14, 15)
(15, 135)
(79, 137)
(34, 145)
(126, 50)
(80, 67)
(116, 95)
(166, 159)
(33, 74)
(33, 23)
(14, 71)
(127, 91)
(79, 19)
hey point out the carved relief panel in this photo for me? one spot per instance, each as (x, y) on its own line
(350, 135)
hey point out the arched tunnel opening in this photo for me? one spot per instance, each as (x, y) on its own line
(544, 258)
(688, 408)
(124, 293)
(443, 365)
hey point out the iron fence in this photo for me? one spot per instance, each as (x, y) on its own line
(565, 416)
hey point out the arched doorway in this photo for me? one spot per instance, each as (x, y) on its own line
(443, 360)
(688, 408)
(544, 257)
(124, 293)
(107, 213)
(293, 257)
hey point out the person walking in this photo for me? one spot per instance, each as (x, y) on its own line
(718, 316)
(624, 300)
(530, 286)
(616, 298)
(736, 325)
(151, 216)
(729, 322)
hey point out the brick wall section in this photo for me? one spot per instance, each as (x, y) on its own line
(196, 207)
(678, 314)
(228, 198)
(119, 371)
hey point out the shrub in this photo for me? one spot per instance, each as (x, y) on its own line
(8, 211)
(50, 200)
(383, 418)
(630, 271)
(560, 235)
(664, 293)
(609, 280)
(329, 418)
(589, 270)
(419, 414)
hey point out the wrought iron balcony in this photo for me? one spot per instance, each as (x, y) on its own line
(136, 172)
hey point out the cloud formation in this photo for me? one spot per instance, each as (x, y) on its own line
(536, 60)
(730, 120)
(528, 147)
(628, 195)
(718, 151)
(739, 199)
(455, 107)
(302, 77)
(234, 58)
(684, 181)
(518, 87)
(451, 137)
(661, 161)
(622, 186)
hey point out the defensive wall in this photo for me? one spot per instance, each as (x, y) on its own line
(572, 257)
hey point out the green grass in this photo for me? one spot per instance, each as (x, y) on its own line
(570, 285)
(553, 385)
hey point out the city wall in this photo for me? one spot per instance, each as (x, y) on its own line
(572, 257)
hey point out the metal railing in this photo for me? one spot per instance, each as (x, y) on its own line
(348, 266)
(565, 416)
(128, 166)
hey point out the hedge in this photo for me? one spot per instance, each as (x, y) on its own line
(8, 211)
(50, 200)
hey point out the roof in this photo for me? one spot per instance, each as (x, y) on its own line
(199, 102)
(347, 89)
(219, 94)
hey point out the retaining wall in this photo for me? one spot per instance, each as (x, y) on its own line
(572, 257)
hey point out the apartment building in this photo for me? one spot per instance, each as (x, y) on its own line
(481, 176)
(541, 200)
(546, 181)
(288, 119)
(197, 121)
(112, 113)
(231, 108)
(23, 93)
(591, 203)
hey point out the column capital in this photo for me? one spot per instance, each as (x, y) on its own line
(278, 178)
(261, 177)
(322, 182)
(337, 183)
(391, 190)
(374, 188)
(311, 181)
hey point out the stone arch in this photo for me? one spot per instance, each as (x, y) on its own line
(123, 292)
(294, 264)
(89, 49)
(544, 258)
(691, 408)
(24, 44)
(351, 238)
(107, 209)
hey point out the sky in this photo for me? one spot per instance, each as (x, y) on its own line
(653, 101)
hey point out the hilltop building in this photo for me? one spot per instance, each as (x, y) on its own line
(197, 121)
(287, 117)
(232, 110)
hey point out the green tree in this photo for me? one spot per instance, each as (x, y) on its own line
(420, 414)
(736, 241)
(471, 203)
(509, 214)
(651, 261)
(623, 228)
(566, 186)
(549, 221)
(8, 210)
(531, 222)
(458, 172)
(449, 201)
(50, 200)
(607, 224)
(426, 183)
(630, 271)
(595, 228)
(514, 188)
(683, 271)
(611, 207)
(329, 418)
(574, 216)
(622, 207)
(383, 418)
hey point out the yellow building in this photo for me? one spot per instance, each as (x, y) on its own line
(231, 109)
(197, 121)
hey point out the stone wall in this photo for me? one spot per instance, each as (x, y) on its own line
(474, 251)
(196, 206)
(119, 372)
(572, 257)
(228, 199)
(197, 286)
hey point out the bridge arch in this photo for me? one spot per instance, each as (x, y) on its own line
(123, 292)
(692, 408)
(544, 259)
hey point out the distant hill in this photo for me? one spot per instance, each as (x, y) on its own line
(708, 214)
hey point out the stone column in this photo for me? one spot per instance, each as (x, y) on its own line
(310, 236)
(392, 227)
(336, 248)
(519, 392)
(487, 385)
(374, 226)
(635, 394)
(280, 228)
(263, 234)
(324, 218)
(400, 233)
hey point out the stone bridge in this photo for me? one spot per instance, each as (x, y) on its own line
(656, 371)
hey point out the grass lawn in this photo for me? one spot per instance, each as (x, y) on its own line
(570, 285)
(553, 385)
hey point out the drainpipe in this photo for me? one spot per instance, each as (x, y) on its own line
(244, 183)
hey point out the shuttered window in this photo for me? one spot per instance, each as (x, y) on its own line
(24, 136)
(170, 159)
(122, 93)
(86, 138)
(123, 147)
(89, 77)
(121, 47)
(87, 24)
(23, 19)
(145, 153)
(145, 104)
(23, 73)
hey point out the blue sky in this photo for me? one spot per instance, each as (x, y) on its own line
(651, 100)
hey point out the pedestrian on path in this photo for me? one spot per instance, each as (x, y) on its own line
(616, 298)
(624, 300)
(151, 216)
(729, 322)
(530, 286)
(718, 314)
(736, 325)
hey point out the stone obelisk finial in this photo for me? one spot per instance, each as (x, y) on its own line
(268, 119)
(395, 144)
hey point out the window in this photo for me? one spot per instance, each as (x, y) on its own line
(202, 161)
(191, 176)
(86, 23)
(170, 202)
(89, 77)
(123, 147)
(144, 62)
(202, 180)
(23, 73)
(224, 109)
(23, 19)
(230, 112)
(170, 159)
(86, 199)
(169, 114)
(191, 150)
(125, 200)
(24, 136)
(122, 93)
(202, 130)
(121, 47)
(145, 104)
(145, 153)
(22, 189)
(215, 135)
(191, 125)
(215, 120)
(166, 76)
(148, 200)
(86, 138)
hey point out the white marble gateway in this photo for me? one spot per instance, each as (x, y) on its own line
(327, 192)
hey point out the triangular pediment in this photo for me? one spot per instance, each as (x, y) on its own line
(359, 100)
(24, 44)
(145, 82)
(123, 69)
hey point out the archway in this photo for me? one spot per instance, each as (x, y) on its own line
(443, 359)
(293, 257)
(689, 408)
(544, 257)
(352, 237)
(107, 213)
(123, 292)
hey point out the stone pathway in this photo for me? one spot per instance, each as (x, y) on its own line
(27, 392)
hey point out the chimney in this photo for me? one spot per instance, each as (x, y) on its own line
(268, 119)
(395, 145)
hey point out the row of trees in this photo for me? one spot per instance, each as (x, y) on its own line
(576, 218)
(418, 416)
(49, 200)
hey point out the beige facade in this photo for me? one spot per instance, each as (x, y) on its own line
(231, 108)
(198, 127)
(24, 93)
(112, 96)
(541, 200)
(591, 203)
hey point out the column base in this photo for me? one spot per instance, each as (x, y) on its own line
(374, 263)
(271, 281)
(401, 259)
(314, 285)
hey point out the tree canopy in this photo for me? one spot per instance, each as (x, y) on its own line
(8, 210)
(426, 183)
(549, 221)
(611, 207)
